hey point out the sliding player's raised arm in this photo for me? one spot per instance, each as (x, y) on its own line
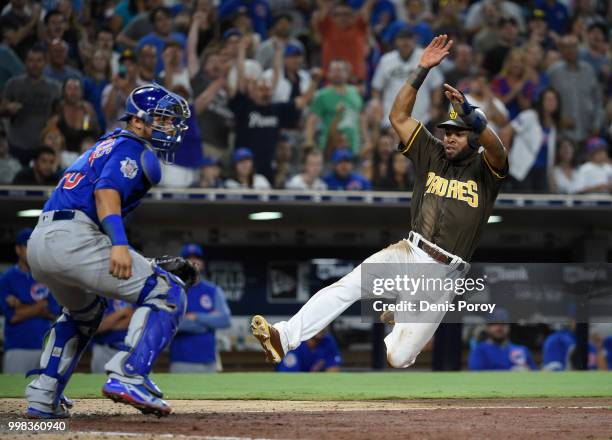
(401, 113)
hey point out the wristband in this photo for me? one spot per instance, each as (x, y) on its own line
(113, 227)
(418, 76)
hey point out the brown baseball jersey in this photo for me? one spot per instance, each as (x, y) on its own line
(451, 200)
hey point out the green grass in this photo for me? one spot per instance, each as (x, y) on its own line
(351, 386)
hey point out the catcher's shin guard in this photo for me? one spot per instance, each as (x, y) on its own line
(64, 345)
(151, 329)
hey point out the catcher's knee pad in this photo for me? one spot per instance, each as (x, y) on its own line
(63, 347)
(151, 329)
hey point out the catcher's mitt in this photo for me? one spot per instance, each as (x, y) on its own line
(180, 267)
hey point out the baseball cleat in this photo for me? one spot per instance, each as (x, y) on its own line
(135, 395)
(387, 317)
(40, 411)
(269, 338)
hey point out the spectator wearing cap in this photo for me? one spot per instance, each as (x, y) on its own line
(10, 64)
(258, 12)
(43, 169)
(211, 103)
(28, 308)
(415, 19)
(175, 72)
(595, 175)
(343, 177)
(139, 26)
(162, 33)
(258, 121)
(281, 36)
(343, 33)
(538, 30)
(395, 68)
(289, 80)
(28, 101)
(20, 22)
(9, 166)
(193, 349)
(210, 173)
(497, 352)
(244, 175)
(474, 19)
(98, 76)
(310, 177)
(235, 46)
(57, 68)
(508, 39)
(328, 101)
(115, 94)
(595, 52)
(581, 94)
(557, 15)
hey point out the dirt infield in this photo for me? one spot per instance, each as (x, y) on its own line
(497, 419)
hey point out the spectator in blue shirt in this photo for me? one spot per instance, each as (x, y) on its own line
(29, 310)
(317, 354)
(557, 15)
(193, 349)
(162, 34)
(343, 177)
(497, 352)
(607, 352)
(559, 348)
(257, 10)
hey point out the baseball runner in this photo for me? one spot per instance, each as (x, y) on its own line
(79, 246)
(455, 188)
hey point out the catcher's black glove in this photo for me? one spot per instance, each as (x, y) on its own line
(180, 267)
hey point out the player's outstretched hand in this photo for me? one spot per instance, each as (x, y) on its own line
(120, 265)
(436, 51)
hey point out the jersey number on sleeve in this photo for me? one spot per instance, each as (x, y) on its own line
(71, 180)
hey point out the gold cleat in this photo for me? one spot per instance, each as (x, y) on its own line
(269, 338)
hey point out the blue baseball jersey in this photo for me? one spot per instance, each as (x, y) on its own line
(354, 182)
(195, 340)
(112, 337)
(325, 355)
(489, 356)
(28, 334)
(118, 160)
(607, 346)
(558, 349)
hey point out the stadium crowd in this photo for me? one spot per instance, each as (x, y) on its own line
(296, 93)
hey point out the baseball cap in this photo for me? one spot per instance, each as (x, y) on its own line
(293, 50)
(454, 120)
(498, 316)
(127, 54)
(596, 143)
(23, 235)
(192, 250)
(242, 154)
(404, 32)
(231, 32)
(342, 155)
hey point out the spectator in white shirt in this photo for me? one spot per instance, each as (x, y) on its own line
(564, 172)
(595, 176)
(244, 172)
(310, 177)
(287, 77)
(395, 68)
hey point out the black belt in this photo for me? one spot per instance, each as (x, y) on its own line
(63, 214)
(434, 253)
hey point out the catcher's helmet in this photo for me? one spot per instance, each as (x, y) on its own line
(146, 102)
